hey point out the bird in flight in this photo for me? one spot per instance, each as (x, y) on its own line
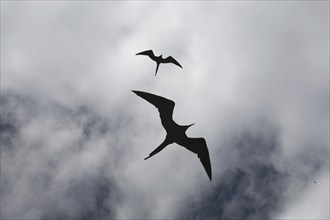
(159, 59)
(314, 181)
(176, 133)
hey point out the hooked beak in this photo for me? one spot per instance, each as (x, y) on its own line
(187, 126)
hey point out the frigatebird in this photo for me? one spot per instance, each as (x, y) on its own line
(176, 133)
(159, 59)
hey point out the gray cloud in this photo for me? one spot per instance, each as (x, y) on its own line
(48, 175)
(252, 188)
(255, 80)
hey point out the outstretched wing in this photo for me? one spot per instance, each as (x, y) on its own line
(148, 53)
(165, 107)
(199, 147)
(171, 60)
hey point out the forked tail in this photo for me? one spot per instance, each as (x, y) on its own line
(158, 149)
(156, 69)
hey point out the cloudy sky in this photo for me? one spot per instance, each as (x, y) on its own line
(255, 81)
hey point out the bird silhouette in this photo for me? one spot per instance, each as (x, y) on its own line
(314, 181)
(176, 133)
(159, 59)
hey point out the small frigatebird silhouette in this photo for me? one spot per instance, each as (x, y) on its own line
(159, 59)
(176, 133)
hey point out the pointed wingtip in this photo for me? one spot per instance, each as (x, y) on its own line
(178, 64)
(136, 92)
(147, 157)
(208, 170)
(209, 174)
(207, 165)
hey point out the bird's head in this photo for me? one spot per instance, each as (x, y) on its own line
(187, 126)
(161, 56)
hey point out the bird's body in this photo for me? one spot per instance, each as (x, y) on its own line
(176, 133)
(159, 59)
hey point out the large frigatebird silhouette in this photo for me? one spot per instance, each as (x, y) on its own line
(159, 59)
(176, 133)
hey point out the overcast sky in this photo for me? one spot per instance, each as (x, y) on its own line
(255, 81)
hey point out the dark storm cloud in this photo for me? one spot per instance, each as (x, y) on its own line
(82, 194)
(253, 188)
(241, 195)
